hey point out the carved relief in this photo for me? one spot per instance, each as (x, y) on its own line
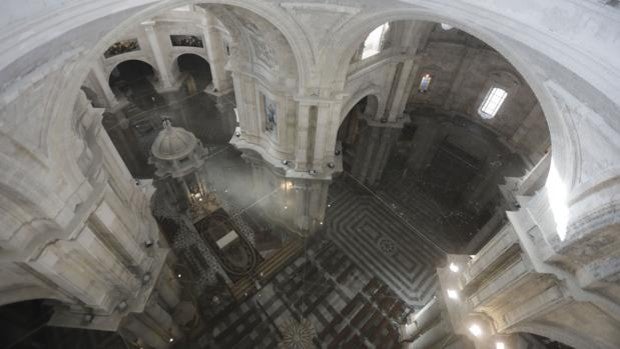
(332, 17)
(262, 50)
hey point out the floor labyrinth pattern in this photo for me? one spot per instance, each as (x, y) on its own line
(383, 243)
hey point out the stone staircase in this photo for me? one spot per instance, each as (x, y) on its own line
(268, 268)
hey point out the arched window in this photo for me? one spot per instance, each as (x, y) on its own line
(374, 41)
(425, 82)
(492, 102)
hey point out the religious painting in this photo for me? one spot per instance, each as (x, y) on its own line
(271, 117)
(120, 47)
(186, 40)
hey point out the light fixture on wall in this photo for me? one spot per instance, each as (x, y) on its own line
(285, 162)
(146, 278)
(122, 306)
(331, 165)
(88, 318)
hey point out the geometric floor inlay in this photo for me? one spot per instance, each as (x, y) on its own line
(379, 240)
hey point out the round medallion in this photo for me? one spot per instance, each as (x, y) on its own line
(387, 246)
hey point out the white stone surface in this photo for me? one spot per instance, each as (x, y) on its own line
(68, 203)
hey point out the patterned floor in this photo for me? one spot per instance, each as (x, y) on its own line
(346, 307)
(419, 199)
(371, 269)
(380, 240)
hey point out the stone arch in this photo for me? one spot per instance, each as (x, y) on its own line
(124, 62)
(558, 334)
(93, 97)
(59, 122)
(205, 74)
(372, 90)
(352, 124)
(175, 58)
(28, 293)
(349, 36)
(560, 80)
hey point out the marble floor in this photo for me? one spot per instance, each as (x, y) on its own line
(419, 199)
(373, 265)
(378, 237)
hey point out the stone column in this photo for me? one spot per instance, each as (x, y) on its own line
(245, 97)
(420, 320)
(431, 336)
(326, 133)
(309, 198)
(414, 35)
(169, 288)
(399, 90)
(104, 85)
(162, 68)
(144, 333)
(214, 45)
(469, 58)
(406, 84)
(301, 146)
(373, 150)
(163, 319)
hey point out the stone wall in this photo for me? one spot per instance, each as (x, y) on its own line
(66, 197)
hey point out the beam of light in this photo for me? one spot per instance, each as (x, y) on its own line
(558, 200)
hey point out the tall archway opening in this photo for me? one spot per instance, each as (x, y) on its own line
(133, 79)
(351, 127)
(197, 69)
(26, 325)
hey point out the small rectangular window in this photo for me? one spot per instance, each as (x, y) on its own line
(492, 102)
(425, 82)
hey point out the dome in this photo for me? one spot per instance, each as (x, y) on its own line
(173, 143)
